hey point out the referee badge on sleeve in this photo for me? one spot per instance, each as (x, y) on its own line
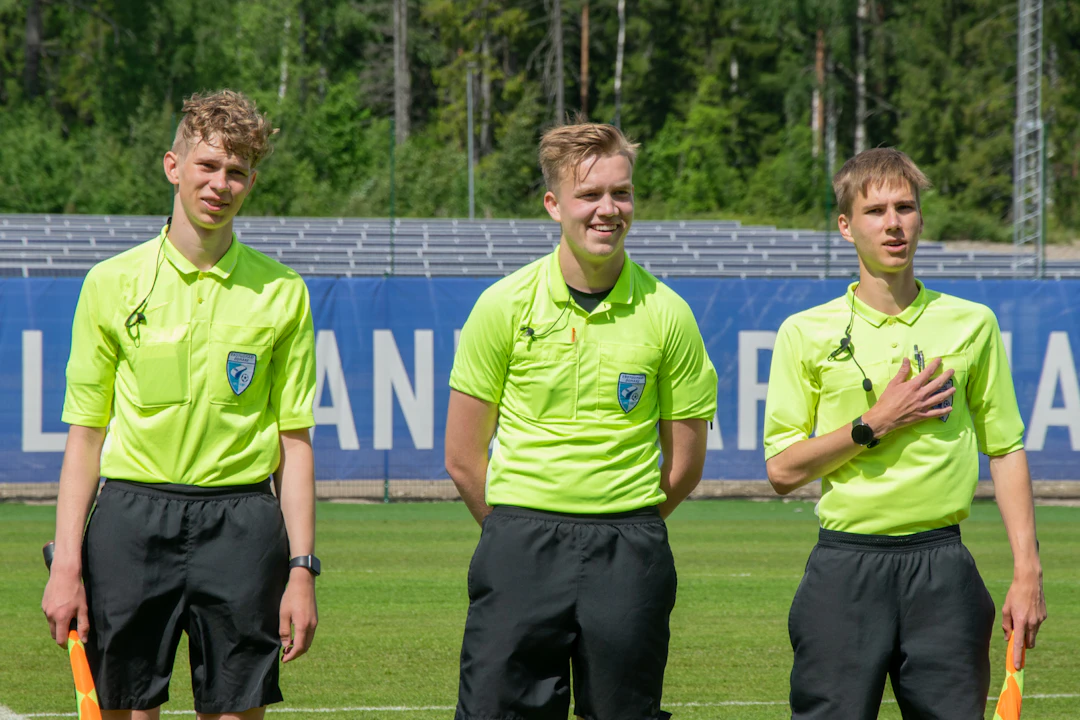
(630, 389)
(241, 369)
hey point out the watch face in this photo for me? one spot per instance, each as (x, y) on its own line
(862, 434)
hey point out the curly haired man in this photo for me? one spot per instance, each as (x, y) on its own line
(189, 389)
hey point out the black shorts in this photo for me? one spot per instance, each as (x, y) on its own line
(913, 608)
(161, 560)
(549, 592)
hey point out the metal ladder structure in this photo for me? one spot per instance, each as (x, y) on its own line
(1029, 181)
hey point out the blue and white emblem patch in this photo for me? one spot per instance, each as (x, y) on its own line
(630, 389)
(947, 402)
(240, 369)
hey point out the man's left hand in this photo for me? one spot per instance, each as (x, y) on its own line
(1024, 610)
(299, 614)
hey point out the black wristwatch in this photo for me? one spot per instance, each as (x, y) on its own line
(308, 562)
(862, 433)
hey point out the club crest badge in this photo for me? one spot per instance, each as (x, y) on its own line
(630, 389)
(920, 363)
(947, 403)
(240, 368)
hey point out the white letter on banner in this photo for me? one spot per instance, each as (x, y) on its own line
(33, 439)
(1006, 340)
(328, 370)
(1058, 368)
(751, 392)
(714, 440)
(391, 378)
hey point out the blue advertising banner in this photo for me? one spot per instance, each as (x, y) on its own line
(385, 347)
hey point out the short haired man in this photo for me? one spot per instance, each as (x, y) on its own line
(592, 370)
(190, 383)
(888, 394)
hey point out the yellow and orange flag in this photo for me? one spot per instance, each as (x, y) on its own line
(1012, 692)
(85, 694)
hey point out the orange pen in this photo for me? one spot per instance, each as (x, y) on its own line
(573, 334)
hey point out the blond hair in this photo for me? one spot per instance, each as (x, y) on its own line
(230, 117)
(565, 147)
(879, 166)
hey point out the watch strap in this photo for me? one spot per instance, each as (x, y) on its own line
(308, 562)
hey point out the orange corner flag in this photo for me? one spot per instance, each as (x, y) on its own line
(1012, 692)
(85, 694)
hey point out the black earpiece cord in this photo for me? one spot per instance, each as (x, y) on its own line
(531, 333)
(136, 316)
(847, 346)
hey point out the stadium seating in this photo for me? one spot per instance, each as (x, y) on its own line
(59, 245)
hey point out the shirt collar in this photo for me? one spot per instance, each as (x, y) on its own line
(877, 318)
(622, 293)
(223, 268)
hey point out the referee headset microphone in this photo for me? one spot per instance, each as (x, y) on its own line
(136, 316)
(848, 348)
(532, 333)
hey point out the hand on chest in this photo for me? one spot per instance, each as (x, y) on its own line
(877, 356)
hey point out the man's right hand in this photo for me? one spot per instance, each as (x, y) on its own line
(905, 402)
(64, 599)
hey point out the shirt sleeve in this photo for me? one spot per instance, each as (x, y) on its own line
(292, 385)
(792, 399)
(991, 396)
(687, 378)
(483, 351)
(91, 368)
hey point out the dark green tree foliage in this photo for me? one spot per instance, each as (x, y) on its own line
(719, 92)
(1062, 103)
(959, 101)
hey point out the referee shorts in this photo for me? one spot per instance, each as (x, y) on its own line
(550, 592)
(912, 608)
(159, 560)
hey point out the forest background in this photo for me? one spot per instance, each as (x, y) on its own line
(744, 108)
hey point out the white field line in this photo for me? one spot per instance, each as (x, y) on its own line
(422, 708)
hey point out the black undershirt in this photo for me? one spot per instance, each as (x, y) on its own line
(588, 301)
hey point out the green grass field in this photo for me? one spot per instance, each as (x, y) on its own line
(392, 604)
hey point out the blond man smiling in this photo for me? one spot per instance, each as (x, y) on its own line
(588, 372)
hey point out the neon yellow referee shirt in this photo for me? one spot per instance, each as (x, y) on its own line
(920, 477)
(224, 361)
(580, 396)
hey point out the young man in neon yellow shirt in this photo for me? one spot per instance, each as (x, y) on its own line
(190, 383)
(888, 394)
(588, 371)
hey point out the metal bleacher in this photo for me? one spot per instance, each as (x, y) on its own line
(68, 245)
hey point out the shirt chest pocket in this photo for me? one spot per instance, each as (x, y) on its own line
(627, 381)
(842, 381)
(542, 381)
(239, 371)
(843, 397)
(160, 367)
